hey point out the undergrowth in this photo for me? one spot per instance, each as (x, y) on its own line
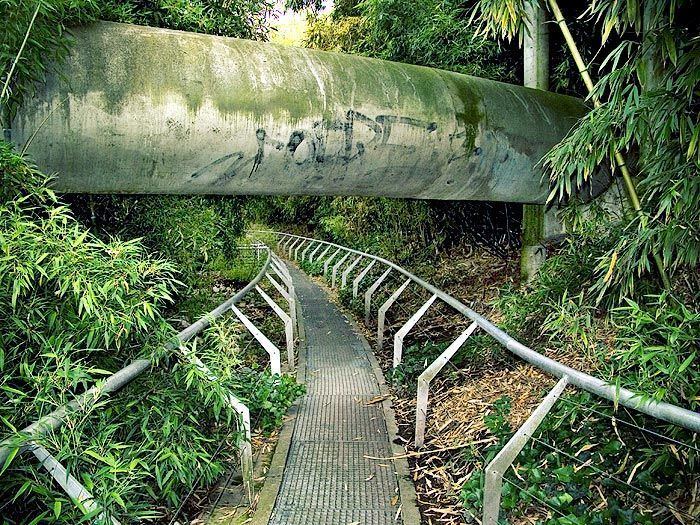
(648, 343)
(76, 308)
(578, 467)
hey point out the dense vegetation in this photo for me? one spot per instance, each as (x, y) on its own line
(75, 303)
(75, 308)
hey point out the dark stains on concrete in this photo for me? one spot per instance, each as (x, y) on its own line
(316, 139)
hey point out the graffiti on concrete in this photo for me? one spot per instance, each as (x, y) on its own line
(354, 135)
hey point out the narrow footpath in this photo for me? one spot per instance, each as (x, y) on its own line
(328, 478)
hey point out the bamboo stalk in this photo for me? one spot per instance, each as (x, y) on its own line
(19, 53)
(619, 157)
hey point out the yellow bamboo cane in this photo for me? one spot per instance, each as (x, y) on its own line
(619, 157)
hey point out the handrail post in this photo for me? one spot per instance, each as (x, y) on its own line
(495, 470)
(360, 277)
(242, 410)
(288, 325)
(284, 239)
(306, 250)
(428, 375)
(288, 239)
(403, 331)
(245, 446)
(347, 271)
(70, 485)
(370, 291)
(381, 316)
(269, 346)
(283, 273)
(336, 266)
(289, 282)
(311, 255)
(328, 262)
(275, 267)
(293, 245)
(288, 245)
(323, 253)
(289, 297)
(296, 250)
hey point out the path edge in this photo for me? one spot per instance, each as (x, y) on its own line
(267, 496)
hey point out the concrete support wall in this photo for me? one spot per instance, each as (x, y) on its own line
(538, 222)
(138, 109)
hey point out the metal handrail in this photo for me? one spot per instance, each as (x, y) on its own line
(428, 375)
(658, 409)
(55, 419)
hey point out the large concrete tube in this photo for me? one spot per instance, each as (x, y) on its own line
(144, 110)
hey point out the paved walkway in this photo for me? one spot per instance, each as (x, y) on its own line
(327, 480)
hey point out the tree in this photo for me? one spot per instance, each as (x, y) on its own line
(432, 33)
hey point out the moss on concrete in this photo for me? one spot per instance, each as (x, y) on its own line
(124, 61)
(166, 111)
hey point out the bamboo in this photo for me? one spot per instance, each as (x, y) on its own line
(19, 53)
(619, 157)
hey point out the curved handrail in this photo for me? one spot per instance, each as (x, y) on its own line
(55, 419)
(661, 410)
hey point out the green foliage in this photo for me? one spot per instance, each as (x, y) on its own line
(655, 349)
(649, 92)
(648, 346)
(301, 5)
(297, 210)
(72, 307)
(47, 43)
(241, 19)
(570, 479)
(403, 230)
(416, 359)
(169, 432)
(312, 268)
(383, 226)
(64, 292)
(658, 119)
(76, 308)
(138, 453)
(268, 396)
(432, 33)
(340, 34)
(198, 233)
